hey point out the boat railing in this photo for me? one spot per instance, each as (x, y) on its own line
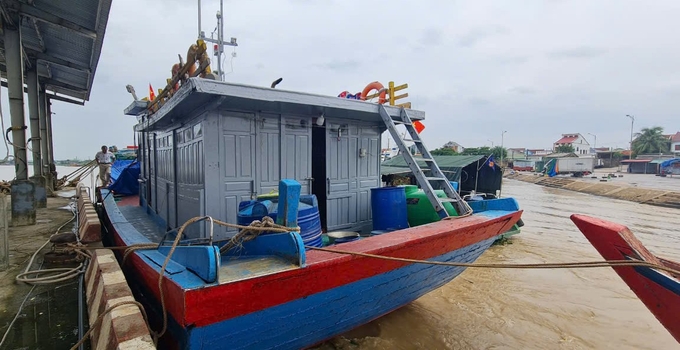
(192, 241)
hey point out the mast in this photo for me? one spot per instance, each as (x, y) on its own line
(218, 45)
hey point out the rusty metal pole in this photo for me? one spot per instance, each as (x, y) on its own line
(23, 190)
(44, 145)
(34, 118)
(50, 141)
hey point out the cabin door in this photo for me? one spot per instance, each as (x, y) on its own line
(352, 169)
(283, 152)
(296, 155)
(236, 162)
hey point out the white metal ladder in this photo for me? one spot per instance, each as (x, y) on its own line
(436, 174)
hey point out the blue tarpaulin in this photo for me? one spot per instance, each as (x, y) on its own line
(669, 162)
(124, 174)
(670, 167)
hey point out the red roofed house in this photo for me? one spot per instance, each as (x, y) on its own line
(675, 143)
(581, 146)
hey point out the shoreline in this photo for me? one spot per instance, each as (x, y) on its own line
(641, 195)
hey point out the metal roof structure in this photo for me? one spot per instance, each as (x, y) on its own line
(397, 164)
(212, 94)
(63, 37)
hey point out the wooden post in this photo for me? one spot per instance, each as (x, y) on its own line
(289, 200)
(4, 234)
(391, 92)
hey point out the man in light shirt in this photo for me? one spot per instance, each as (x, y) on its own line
(104, 158)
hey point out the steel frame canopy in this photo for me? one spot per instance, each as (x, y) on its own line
(63, 38)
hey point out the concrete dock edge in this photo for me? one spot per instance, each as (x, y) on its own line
(89, 226)
(124, 327)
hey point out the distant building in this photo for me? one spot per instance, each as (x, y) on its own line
(517, 153)
(454, 146)
(576, 140)
(536, 154)
(675, 143)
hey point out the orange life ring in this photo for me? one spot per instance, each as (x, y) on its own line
(375, 86)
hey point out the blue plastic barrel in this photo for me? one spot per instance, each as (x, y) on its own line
(389, 208)
(455, 185)
(310, 225)
(309, 220)
(250, 211)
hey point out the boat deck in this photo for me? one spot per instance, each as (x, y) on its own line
(141, 221)
(233, 270)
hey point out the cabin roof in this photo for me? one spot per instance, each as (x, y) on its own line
(203, 94)
(397, 164)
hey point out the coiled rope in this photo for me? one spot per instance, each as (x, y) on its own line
(54, 275)
(247, 233)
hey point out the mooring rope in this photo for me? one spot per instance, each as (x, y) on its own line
(101, 317)
(572, 265)
(249, 232)
(267, 225)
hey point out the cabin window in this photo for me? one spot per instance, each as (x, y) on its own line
(187, 135)
(170, 141)
(180, 137)
(198, 131)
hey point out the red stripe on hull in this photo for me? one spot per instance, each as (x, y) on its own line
(617, 242)
(143, 273)
(328, 270)
(204, 306)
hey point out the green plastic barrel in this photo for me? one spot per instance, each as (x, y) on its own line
(419, 209)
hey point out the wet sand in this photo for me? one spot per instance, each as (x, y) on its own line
(537, 309)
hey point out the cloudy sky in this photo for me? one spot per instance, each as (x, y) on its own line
(535, 69)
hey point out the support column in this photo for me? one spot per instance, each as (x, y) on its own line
(44, 141)
(4, 233)
(23, 190)
(50, 142)
(34, 117)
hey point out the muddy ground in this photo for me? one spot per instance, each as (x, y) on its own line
(640, 188)
(43, 302)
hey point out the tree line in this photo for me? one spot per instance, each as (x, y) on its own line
(647, 141)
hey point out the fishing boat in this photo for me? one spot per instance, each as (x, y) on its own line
(214, 154)
(659, 291)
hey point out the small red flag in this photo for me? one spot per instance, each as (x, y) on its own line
(419, 126)
(152, 96)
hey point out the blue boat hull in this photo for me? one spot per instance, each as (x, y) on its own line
(321, 316)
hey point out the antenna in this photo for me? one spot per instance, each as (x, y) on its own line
(218, 45)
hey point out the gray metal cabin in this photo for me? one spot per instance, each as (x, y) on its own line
(215, 144)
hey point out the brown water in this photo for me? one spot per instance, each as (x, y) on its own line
(537, 309)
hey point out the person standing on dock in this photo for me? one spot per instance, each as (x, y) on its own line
(104, 158)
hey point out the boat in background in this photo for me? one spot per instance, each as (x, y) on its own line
(659, 291)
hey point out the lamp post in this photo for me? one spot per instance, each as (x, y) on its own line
(632, 121)
(502, 136)
(491, 142)
(595, 142)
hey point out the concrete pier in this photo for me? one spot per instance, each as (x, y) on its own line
(23, 191)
